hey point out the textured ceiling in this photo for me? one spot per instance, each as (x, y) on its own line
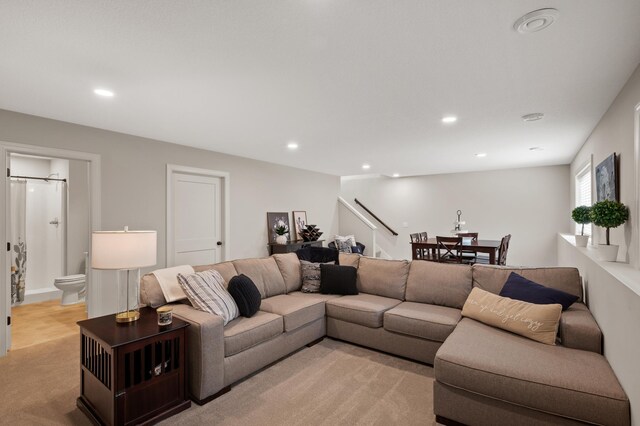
(350, 81)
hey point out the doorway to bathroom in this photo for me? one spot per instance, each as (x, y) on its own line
(50, 237)
(51, 200)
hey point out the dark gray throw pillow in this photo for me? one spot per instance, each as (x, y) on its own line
(245, 294)
(338, 279)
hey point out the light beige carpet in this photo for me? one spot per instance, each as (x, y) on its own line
(331, 383)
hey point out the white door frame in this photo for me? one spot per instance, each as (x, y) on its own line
(94, 290)
(226, 209)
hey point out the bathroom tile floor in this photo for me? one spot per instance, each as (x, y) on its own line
(45, 321)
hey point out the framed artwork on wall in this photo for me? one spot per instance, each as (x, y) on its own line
(607, 179)
(277, 224)
(299, 223)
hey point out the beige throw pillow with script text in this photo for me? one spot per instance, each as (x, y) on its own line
(536, 322)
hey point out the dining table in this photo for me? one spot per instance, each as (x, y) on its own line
(478, 246)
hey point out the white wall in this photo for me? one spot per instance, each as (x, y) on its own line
(529, 203)
(79, 216)
(616, 308)
(615, 133)
(134, 188)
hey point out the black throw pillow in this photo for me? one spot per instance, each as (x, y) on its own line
(356, 249)
(315, 254)
(245, 294)
(338, 279)
(519, 288)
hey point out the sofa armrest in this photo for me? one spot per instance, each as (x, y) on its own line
(579, 330)
(205, 347)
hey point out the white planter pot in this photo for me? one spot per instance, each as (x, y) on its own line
(582, 240)
(281, 239)
(608, 253)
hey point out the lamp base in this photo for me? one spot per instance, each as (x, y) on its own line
(128, 316)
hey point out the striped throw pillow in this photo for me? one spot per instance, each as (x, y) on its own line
(206, 292)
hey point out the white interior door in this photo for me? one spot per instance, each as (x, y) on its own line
(195, 228)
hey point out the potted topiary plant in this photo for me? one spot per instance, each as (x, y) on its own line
(581, 216)
(608, 214)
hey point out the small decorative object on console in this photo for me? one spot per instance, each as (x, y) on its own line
(165, 315)
(310, 233)
(608, 214)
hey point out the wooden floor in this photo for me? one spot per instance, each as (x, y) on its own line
(41, 322)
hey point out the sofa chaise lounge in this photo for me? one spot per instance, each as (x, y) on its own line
(484, 376)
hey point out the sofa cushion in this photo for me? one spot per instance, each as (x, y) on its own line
(438, 283)
(579, 330)
(566, 382)
(226, 269)
(430, 322)
(338, 279)
(363, 309)
(245, 294)
(536, 322)
(387, 278)
(296, 311)
(264, 273)
(349, 259)
(289, 266)
(243, 333)
(314, 296)
(492, 278)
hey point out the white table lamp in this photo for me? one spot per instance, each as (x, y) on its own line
(124, 250)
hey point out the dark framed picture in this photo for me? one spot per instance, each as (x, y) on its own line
(607, 179)
(277, 224)
(299, 223)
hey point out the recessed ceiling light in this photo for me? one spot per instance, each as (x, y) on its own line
(366, 166)
(104, 92)
(535, 148)
(396, 175)
(481, 154)
(449, 119)
(533, 117)
(292, 145)
(535, 21)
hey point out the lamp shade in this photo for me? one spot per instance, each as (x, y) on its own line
(123, 249)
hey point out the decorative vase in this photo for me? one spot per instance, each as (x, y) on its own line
(582, 240)
(281, 239)
(608, 253)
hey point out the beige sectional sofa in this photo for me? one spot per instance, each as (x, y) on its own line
(484, 376)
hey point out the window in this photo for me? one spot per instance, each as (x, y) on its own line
(583, 194)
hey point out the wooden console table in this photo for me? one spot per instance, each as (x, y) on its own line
(132, 373)
(292, 246)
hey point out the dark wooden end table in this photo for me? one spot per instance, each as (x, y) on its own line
(132, 373)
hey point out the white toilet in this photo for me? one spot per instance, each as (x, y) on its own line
(73, 288)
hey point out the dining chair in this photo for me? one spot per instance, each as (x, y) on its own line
(469, 256)
(449, 249)
(504, 248)
(415, 238)
(502, 253)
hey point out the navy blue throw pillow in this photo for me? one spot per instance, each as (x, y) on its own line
(338, 279)
(245, 294)
(519, 288)
(356, 249)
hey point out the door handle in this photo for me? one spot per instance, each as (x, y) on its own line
(219, 243)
